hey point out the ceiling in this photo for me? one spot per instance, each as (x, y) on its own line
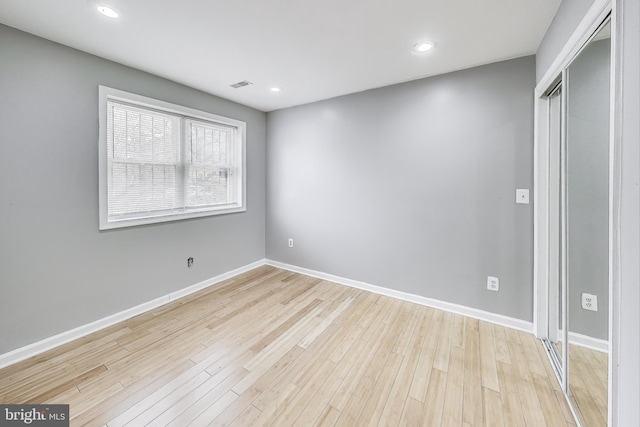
(313, 50)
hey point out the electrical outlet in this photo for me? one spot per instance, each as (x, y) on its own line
(590, 302)
(190, 262)
(493, 283)
(290, 242)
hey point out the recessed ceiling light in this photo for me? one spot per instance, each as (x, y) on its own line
(275, 89)
(423, 47)
(108, 12)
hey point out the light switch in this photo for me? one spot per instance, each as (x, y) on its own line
(522, 196)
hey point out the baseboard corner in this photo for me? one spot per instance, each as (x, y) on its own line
(46, 344)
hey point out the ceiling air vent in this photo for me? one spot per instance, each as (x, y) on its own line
(241, 84)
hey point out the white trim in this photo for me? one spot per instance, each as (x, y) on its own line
(184, 114)
(547, 346)
(615, 201)
(49, 343)
(475, 313)
(583, 32)
(562, 226)
(46, 344)
(540, 218)
(581, 35)
(591, 343)
(587, 341)
(623, 214)
(548, 350)
(573, 46)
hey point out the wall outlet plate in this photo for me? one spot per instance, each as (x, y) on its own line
(522, 196)
(590, 302)
(493, 283)
(290, 242)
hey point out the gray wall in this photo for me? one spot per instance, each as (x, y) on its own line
(412, 187)
(57, 271)
(569, 15)
(588, 92)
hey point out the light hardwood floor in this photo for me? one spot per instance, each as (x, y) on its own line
(588, 382)
(271, 347)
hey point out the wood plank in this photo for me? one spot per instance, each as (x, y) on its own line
(200, 400)
(247, 417)
(434, 402)
(531, 408)
(492, 408)
(489, 370)
(588, 384)
(472, 413)
(510, 396)
(314, 412)
(412, 413)
(376, 401)
(350, 383)
(395, 405)
(441, 358)
(130, 396)
(420, 382)
(214, 410)
(452, 412)
(548, 401)
(500, 346)
(272, 347)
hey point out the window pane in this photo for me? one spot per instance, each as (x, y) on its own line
(142, 135)
(209, 143)
(162, 162)
(207, 181)
(143, 161)
(206, 186)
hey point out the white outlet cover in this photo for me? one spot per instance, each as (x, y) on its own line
(522, 196)
(493, 283)
(590, 302)
(290, 242)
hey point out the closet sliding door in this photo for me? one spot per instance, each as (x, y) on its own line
(576, 209)
(587, 86)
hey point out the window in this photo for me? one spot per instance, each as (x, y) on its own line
(164, 162)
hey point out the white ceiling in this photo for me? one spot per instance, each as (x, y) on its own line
(312, 49)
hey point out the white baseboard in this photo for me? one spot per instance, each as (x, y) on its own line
(38, 347)
(46, 344)
(589, 342)
(475, 313)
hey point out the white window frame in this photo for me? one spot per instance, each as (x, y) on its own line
(187, 115)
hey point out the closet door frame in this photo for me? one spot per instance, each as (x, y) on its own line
(583, 33)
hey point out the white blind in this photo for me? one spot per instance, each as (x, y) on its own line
(143, 160)
(163, 164)
(209, 161)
